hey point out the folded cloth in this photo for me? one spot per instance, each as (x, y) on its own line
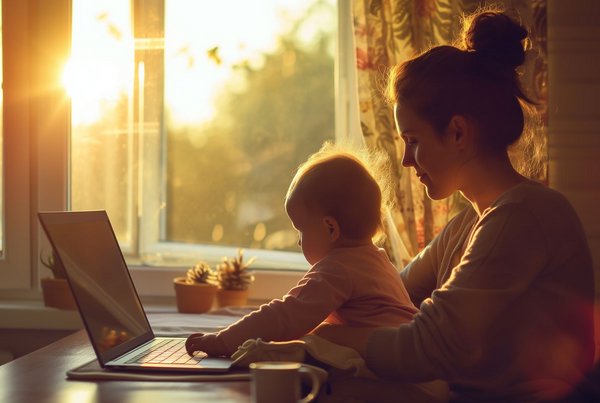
(350, 380)
(340, 359)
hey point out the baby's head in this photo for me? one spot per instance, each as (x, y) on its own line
(339, 185)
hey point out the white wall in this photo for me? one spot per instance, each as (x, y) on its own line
(574, 114)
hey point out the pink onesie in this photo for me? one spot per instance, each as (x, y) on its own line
(355, 286)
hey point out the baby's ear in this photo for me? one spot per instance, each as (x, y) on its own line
(333, 227)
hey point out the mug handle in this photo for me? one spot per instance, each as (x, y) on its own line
(314, 380)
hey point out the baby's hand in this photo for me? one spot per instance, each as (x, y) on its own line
(207, 342)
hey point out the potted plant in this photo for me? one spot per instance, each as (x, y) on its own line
(195, 293)
(55, 290)
(234, 279)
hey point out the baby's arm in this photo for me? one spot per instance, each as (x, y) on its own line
(207, 342)
(318, 293)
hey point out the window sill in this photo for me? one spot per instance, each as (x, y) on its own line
(157, 282)
(34, 315)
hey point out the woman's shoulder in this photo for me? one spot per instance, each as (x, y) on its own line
(536, 202)
(532, 190)
(534, 197)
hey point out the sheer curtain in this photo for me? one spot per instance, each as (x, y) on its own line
(387, 32)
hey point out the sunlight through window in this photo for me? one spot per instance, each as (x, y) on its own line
(189, 118)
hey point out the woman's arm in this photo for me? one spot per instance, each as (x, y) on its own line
(425, 273)
(453, 330)
(419, 276)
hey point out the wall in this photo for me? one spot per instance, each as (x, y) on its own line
(574, 115)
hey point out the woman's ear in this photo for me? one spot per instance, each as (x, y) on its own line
(460, 131)
(333, 227)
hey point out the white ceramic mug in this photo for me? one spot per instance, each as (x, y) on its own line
(279, 382)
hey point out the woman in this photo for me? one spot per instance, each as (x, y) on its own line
(506, 289)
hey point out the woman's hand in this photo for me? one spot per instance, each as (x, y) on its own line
(208, 343)
(354, 337)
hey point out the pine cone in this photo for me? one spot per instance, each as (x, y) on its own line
(233, 273)
(201, 273)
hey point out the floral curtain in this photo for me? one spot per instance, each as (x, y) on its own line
(388, 32)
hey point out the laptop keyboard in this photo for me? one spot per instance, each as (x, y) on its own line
(169, 351)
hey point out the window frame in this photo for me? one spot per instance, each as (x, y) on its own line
(35, 122)
(14, 263)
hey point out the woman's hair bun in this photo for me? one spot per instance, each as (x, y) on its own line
(495, 36)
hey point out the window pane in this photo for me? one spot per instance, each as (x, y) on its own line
(247, 100)
(99, 79)
(189, 118)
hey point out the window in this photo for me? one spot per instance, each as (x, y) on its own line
(189, 118)
(47, 136)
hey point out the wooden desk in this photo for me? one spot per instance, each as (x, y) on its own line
(41, 377)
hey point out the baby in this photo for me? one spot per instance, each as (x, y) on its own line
(335, 204)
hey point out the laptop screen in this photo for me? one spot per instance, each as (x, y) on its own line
(107, 300)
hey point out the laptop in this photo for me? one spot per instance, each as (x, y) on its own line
(108, 302)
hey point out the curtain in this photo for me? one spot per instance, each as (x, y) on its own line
(388, 32)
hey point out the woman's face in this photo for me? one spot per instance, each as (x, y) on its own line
(429, 152)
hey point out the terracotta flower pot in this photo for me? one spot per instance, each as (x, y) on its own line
(194, 298)
(57, 293)
(232, 298)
